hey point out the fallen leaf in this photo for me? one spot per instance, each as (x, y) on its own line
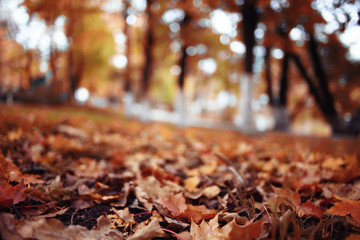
(49, 229)
(303, 210)
(191, 183)
(346, 207)
(12, 195)
(198, 213)
(340, 170)
(286, 193)
(176, 204)
(251, 230)
(8, 170)
(206, 230)
(127, 218)
(147, 231)
(309, 209)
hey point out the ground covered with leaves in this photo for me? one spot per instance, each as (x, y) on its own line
(94, 175)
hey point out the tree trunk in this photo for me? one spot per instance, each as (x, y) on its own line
(129, 97)
(250, 20)
(28, 73)
(53, 56)
(334, 121)
(329, 110)
(268, 77)
(72, 79)
(147, 65)
(280, 112)
(180, 103)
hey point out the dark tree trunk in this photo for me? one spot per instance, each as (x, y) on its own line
(281, 115)
(148, 64)
(329, 110)
(148, 51)
(72, 79)
(127, 83)
(28, 73)
(53, 64)
(308, 80)
(182, 63)
(332, 119)
(180, 104)
(250, 20)
(70, 57)
(268, 77)
(249, 23)
(284, 81)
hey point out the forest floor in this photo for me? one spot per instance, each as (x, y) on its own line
(80, 173)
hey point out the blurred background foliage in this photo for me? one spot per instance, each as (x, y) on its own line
(302, 57)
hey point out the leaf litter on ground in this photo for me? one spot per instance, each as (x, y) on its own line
(76, 178)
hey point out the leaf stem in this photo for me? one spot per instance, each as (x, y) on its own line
(172, 232)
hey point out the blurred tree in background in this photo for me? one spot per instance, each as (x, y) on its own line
(253, 62)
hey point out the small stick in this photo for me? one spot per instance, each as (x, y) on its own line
(174, 233)
(230, 166)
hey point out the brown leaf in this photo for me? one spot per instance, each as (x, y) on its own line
(206, 230)
(346, 207)
(176, 204)
(251, 230)
(340, 170)
(309, 209)
(12, 195)
(147, 231)
(292, 197)
(209, 192)
(198, 213)
(8, 170)
(303, 210)
(127, 218)
(49, 229)
(191, 183)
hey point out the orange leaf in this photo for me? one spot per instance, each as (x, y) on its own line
(346, 207)
(303, 210)
(340, 170)
(309, 209)
(251, 230)
(198, 213)
(286, 193)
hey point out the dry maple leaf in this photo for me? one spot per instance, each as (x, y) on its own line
(127, 218)
(178, 208)
(251, 230)
(346, 207)
(147, 231)
(12, 195)
(340, 170)
(176, 204)
(309, 209)
(198, 213)
(209, 192)
(8, 170)
(49, 229)
(207, 230)
(303, 210)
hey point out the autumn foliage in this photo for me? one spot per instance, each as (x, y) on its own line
(66, 177)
